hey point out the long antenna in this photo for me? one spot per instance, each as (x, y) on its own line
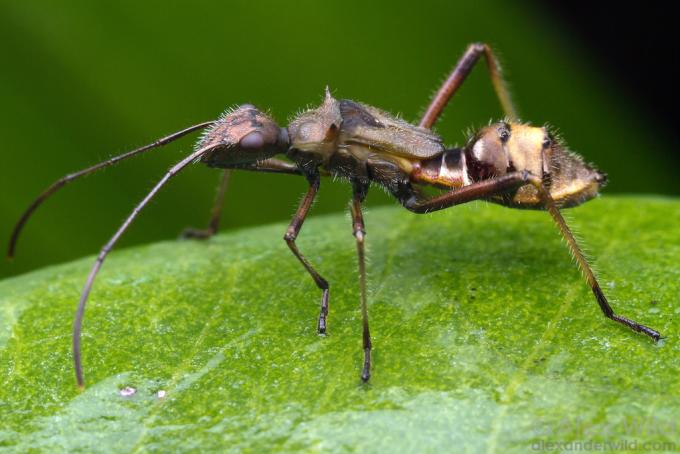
(68, 178)
(78, 320)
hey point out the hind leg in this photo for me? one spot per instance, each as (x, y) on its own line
(458, 76)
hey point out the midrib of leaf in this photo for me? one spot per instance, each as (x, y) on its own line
(518, 378)
(374, 281)
(392, 252)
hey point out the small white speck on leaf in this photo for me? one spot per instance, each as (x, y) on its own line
(160, 394)
(128, 391)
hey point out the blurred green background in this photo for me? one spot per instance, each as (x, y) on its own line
(82, 81)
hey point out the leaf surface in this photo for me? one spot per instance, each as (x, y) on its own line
(486, 338)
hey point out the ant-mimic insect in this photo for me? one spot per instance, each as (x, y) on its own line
(509, 163)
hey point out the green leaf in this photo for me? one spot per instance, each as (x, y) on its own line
(486, 338)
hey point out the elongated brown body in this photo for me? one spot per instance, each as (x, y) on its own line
(361, 143)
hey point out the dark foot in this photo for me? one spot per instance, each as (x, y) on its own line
(321, 326)
(366, 371)
(635, 326)
(196, 234)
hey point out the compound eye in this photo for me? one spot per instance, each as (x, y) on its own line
(547, 142)
(252, 140)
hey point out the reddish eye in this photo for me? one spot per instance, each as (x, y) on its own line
(252, 140)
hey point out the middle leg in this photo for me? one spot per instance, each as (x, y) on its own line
(359, 231)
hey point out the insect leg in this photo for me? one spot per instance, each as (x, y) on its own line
(458, 76)
(292, 233)
(499, 185)
(68, 178)
(585, 267)
(475, 191)
(271, 165)
(359, 231)
(215, 213)
(77, 322)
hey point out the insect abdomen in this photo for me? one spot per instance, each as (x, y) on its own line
(447, 170)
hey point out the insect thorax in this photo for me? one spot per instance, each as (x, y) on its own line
(356, 141)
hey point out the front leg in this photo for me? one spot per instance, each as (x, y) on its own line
(292, 233)
(215, 214)
(271, 165)
(496, 186)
